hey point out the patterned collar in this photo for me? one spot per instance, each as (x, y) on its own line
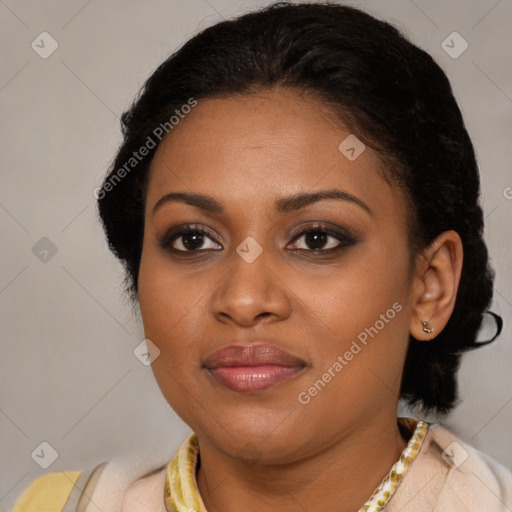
(182, 494)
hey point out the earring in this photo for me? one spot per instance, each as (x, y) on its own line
(426, 329)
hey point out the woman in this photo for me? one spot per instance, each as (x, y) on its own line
(296, 205)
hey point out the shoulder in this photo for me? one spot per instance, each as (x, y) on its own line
(48, 492)
(450, 475)
(102, 486)
(124, 477)
(59, 491)
(467, 463)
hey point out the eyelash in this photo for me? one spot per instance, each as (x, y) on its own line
(345, 239)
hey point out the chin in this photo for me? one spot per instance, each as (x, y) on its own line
(252, 437)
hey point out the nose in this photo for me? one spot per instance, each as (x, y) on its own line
(252, 291)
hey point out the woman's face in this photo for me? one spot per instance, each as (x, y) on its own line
(333, 305)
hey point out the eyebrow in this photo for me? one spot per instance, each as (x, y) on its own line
(283, 205)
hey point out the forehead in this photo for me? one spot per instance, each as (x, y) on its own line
(256, 148)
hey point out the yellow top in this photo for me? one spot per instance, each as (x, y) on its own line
(182, 494)
(47, 493)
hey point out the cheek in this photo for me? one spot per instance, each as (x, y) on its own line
(354, 296)
(361, 315)
(174, 308)
(168, 295)
(169, 308)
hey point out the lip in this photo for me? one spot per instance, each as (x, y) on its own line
(252, 368)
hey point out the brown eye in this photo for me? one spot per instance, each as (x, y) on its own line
(322, 239)
(188, 239)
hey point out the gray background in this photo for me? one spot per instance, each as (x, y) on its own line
(68, 373)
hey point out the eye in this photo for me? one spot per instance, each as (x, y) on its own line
(189, 238)
(322, 239)
(195, 238)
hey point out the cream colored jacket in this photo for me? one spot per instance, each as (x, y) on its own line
(447, 475)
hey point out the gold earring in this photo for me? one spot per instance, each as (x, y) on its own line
(426, 328)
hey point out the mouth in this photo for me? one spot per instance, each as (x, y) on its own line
(252, 368)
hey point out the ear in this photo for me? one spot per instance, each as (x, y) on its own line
(436, 281)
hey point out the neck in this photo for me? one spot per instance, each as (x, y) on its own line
(341, 477)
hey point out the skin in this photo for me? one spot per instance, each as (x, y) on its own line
(267, 450)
